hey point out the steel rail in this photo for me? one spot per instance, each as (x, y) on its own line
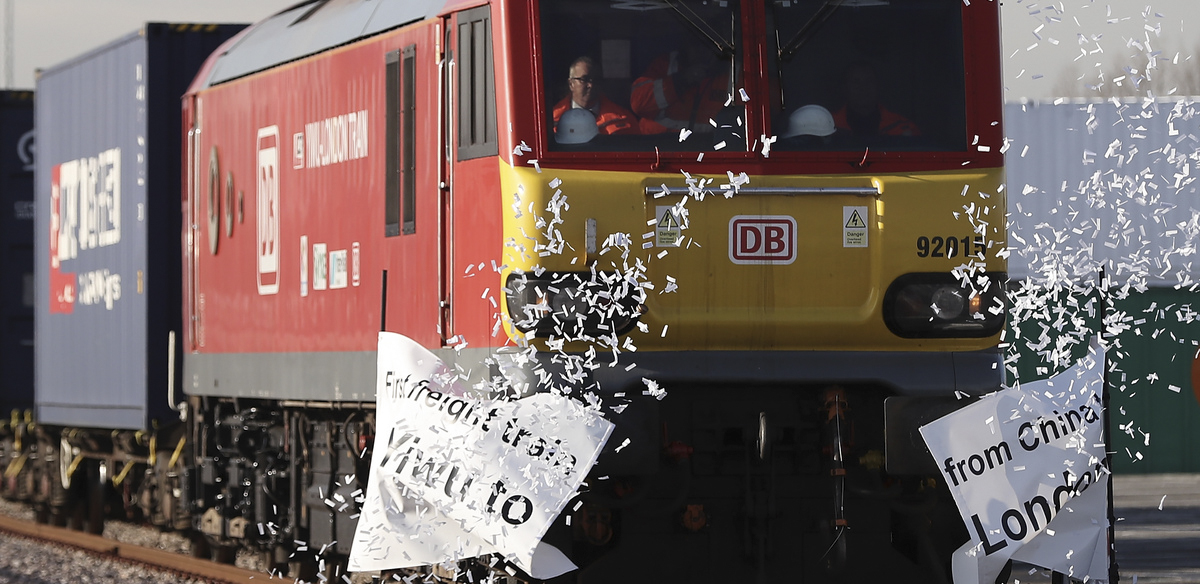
(172, 563)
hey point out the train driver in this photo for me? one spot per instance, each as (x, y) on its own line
(680, 90)
(864, 115)
(583, 81)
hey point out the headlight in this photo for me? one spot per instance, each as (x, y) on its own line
(569, 302)
(572, 304)
(932, 305)
(948, 303)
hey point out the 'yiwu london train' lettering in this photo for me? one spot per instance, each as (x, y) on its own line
(336, 139)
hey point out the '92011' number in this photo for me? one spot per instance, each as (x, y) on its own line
(948, 247)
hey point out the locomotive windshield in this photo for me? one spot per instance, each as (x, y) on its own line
(673, 75)
(867, 73)
(635, 75)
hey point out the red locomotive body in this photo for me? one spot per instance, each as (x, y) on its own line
(317, 208)
(287, 172)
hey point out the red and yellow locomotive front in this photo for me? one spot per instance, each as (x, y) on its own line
(790, 217)
(787, 214)
(812, 177)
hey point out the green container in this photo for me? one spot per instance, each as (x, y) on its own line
(1154, 408)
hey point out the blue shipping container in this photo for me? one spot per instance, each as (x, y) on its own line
(107, 184)
(16, 251)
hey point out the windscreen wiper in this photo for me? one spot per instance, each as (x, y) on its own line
(723, 48)
(809, 29)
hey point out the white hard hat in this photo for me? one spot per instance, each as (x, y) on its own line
(810, 120)
(576, 126)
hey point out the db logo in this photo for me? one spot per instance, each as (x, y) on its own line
(267, 209)
(762, 239)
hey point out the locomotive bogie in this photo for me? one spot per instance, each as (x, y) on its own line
(280, 479)
(81, 477)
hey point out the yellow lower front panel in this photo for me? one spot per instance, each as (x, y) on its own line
(763, 268)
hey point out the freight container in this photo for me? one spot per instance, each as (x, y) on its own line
(107, 259)
(16, 251)
(1112, 184)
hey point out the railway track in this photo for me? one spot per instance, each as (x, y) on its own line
(1158, 535)
(168, 562)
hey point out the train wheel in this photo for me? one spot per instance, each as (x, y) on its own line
(59, 516)
(335, 568)
(74, 514)
(224, 554)
(303, 570)
(38, 486)
(41, 513)
(97, 501)
(49, 495)
(200, 547)
(8, 485)
(275, 560)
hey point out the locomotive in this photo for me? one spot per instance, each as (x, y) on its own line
(766, 313)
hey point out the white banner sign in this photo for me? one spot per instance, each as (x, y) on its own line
(454, 477)
(1026, 466)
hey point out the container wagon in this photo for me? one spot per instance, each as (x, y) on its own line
(108, 276)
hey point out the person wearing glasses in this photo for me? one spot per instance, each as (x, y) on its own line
(584, 82)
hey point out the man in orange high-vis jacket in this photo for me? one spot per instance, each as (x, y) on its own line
(863, 115)
(678, 91)
(585, 93)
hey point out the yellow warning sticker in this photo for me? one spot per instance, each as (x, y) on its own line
(854, 226)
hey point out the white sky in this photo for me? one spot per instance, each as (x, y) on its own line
(1035, 67)
(48, 32)
(51, 31)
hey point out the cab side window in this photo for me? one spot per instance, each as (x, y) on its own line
(476, 85)
(401, 210)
